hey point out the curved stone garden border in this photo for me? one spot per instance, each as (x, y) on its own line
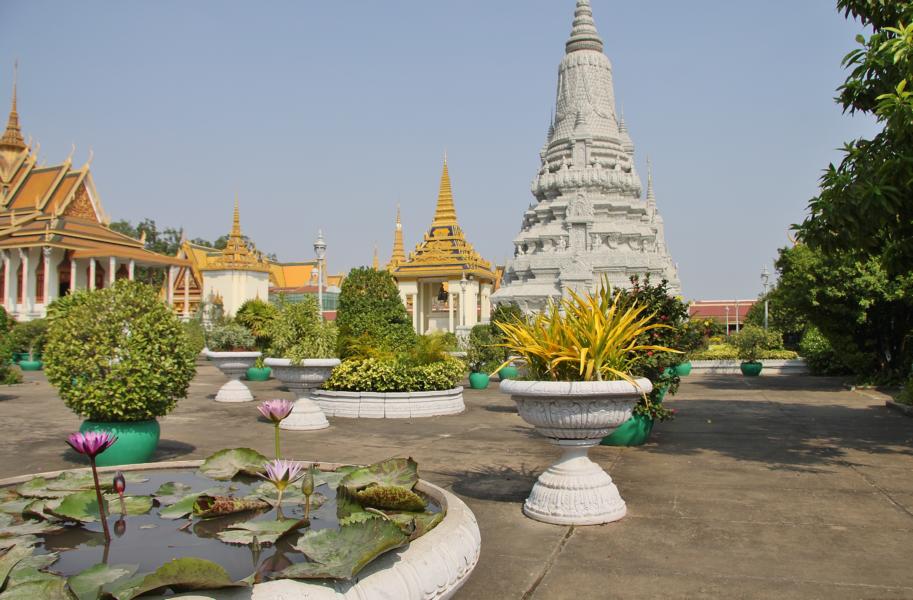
(390, 405)
(432, 567)
(731, 367)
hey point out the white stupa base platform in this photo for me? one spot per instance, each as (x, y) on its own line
(305, 416)
(234, 391)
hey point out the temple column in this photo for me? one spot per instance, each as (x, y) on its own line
(91, 282)
(24, 282)
(171, 286)
(186, 292)
(420, 299)
(462, 308)
(486, 302)
(74, 275)
(131, 267)
(46, 253)
(6, 281)
(450, 311)
(112, 270)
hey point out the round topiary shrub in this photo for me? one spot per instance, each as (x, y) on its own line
(371, 314)
(298, 333)
(118, 354)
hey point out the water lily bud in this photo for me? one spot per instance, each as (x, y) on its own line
(120, 527)
(120, 483)
(307, 484)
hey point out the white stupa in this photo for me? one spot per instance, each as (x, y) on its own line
(590, 216)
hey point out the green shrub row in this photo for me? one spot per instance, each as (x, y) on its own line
(730, 352)
(394, 375)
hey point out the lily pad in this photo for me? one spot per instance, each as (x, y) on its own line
(15, 506)
(225, 464)
(88, 584)
(292, 495)
(399, 472)
(77, 506)
(28, 528)
(53, 587)
(390, 498)
(331, 478)
(181, 575)
(207, 506)
(415, 525)
(10, 558)
(38, 488)
(266, 532)
(342, 553)
(171, 492)
(135, 505)
(184, 506)
(348, 509)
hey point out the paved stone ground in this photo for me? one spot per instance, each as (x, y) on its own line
(776, 487)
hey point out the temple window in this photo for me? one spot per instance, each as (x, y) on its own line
(39, 283)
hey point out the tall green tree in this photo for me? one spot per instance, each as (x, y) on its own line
(371, 315)
(866, 202)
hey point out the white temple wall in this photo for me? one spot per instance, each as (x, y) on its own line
(235, 287)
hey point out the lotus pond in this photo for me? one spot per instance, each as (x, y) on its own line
(222, 525)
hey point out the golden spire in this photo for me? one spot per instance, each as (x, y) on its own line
(236, 221)
(376, 263)
(399, 254)
(445, 213)
(12, 138)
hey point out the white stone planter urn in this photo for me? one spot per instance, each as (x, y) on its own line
(301, 378)
(575, 415)
(233, 365)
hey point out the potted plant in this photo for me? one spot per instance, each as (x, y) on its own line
(119, 357)
(751, 342)
(28, 338)
(580, 355)
(259, 372)
(232, 348)
(302, 356)
(482, 356)
(505, 313)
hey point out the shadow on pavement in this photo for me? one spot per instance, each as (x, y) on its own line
(501, 484)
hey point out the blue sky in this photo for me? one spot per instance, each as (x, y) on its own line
(328, 114)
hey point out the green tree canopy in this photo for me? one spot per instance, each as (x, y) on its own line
(371, 314)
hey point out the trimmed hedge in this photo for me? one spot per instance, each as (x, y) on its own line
(730, 352)
(393, 375)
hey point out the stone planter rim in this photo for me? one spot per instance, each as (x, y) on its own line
(308, 362)
(574, 389)
(245, 354)
(457, 573)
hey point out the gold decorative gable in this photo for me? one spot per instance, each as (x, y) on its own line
(81, 206)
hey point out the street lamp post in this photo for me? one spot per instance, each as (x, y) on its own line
(464, 283)
(727, 321)
(320, 250)
(765, 281)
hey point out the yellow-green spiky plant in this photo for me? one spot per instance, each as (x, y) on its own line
(593, 337)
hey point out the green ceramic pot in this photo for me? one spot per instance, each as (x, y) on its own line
(258, 373)
(683, 369)
(633, 432)
(508, 372)
(751, 368)
(136, 441)
(661, 393)
(478, 381)
(30, 365)
(20, 356)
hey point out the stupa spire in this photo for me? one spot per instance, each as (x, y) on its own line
(445, 213)
(236, 221)
(12, 138)
(399, 253)
(583, 33)
(651, 196)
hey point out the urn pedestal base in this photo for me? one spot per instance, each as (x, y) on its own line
(306, 414)
(575, 490)
(234, 391)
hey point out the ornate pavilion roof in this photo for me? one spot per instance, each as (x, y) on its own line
(237, 256)
(444, 251)
(57, 206)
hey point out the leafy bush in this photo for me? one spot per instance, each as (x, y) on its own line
(394, 375)
(297, 332)
(6, 321)
(482, 355)
(118, 353)
(428, 349)
(730, 352)
(257, 316)
(371, 314)
(752, 341)
(196, 335)
(29, 336)
(8, 373)
(232, 337)
(820, 355)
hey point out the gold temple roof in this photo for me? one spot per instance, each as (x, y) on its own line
(237, 256)
(444, 251)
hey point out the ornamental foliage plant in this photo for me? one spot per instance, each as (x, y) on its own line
(395, 375)
(594, 337)
(258, 315)
(752, 342)
(482, 354)
(371, 314)
(231, 337)
(29, 337)
(297, 332)
(118, 353)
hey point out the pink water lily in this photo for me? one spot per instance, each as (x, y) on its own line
(275, 410)
(282, 473)
(91, 443)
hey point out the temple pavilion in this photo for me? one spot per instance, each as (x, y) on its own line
(54, 234)
(239, 272)
(444, 282)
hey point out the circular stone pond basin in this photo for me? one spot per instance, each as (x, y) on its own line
(441, 555)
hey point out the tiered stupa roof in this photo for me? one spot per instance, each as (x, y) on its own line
(444, 251)
(237, 256)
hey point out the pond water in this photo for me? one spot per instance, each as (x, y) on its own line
(149, 541)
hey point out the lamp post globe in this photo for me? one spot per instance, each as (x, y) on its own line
(320, 251)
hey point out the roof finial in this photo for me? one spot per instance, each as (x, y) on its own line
(399, 254)
(583, 34)
(376, 263)
(236, 220)
(445, 213)
(12, 137)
